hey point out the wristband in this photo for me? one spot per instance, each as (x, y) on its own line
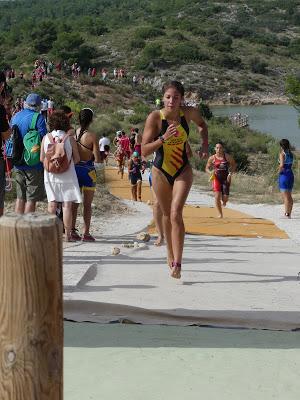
(161, 138)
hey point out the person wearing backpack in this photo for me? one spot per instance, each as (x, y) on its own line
(4, 135)
(59, 153)
(32, 128)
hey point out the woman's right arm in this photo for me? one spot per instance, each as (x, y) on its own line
(281, 162)
(151, 130)
(209, 165)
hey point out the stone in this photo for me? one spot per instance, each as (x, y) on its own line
(115, 251)
(143, 236)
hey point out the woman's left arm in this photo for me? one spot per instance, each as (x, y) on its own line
(232, 166)
(75, 151)
(232, 163)
(96, 149)
(195, 116)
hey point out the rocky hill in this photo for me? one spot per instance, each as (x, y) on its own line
(230, 51)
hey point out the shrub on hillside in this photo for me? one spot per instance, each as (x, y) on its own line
(249, 84)
(267, 39)
(137, 44)
(148, 32)
(258, 66)
(106, 124)
(294, 46)
(220, 41)
(185, 52)
(238, 31)
(229, 61)
(136, 118)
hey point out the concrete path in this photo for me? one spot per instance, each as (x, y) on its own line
(225, 282)
(130, 362)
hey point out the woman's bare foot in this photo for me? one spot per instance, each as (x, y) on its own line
(170, 263)
(159, 241)
(176, 270)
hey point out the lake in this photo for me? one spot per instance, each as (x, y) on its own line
(281, 121)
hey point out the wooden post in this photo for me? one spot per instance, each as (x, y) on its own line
(31, 315)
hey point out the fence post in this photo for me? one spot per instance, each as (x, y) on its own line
(31, 314)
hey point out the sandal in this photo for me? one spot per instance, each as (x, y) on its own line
(75, 235)
(176, 270)
(87, 237)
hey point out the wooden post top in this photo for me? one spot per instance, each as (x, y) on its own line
(29, 220)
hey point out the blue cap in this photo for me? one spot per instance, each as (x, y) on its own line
(33, 100)
(135, 154)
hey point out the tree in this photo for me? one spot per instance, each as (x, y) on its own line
(71, 47)
(44, 35)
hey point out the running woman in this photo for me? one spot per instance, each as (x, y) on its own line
(220, 166)
(166, 133)
(135, 170)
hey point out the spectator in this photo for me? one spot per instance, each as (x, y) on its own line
(29, 179)
(4, 135)
(44, 108)
(62, 187)
(89, 152)
(104, 144)
(50, 104)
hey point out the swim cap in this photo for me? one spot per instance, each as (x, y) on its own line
(135, 154)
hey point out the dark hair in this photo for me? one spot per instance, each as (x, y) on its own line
(221, 143)
(66, 109)
(285, 144)
(173, 84)
(85, 119)
(59, 121)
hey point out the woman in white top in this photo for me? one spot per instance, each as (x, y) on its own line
(62, 187)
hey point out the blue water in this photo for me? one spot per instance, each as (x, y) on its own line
(280, 121)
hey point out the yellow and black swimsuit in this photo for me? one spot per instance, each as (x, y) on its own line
(171, 158)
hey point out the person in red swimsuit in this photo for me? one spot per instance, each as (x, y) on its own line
(220, 166)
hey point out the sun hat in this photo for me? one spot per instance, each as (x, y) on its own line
(33, 100)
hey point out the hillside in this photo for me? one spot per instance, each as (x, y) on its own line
(243, 48)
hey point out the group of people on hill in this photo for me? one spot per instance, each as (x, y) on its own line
(69, 177)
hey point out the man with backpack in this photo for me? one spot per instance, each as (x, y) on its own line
(30, 125)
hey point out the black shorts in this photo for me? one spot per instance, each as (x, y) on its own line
(135, 178)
